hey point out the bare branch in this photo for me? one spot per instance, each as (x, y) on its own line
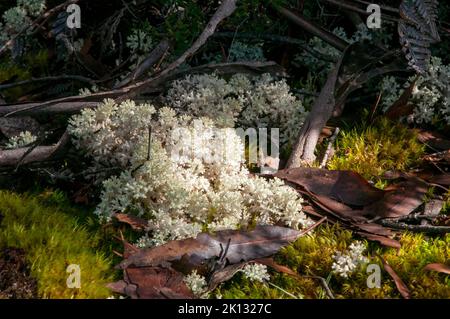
(79, 78)
(277, 39)
(74, 104)
(225, 10)
(38, 154)
(416, 228)
(314, 29)
(156, 54)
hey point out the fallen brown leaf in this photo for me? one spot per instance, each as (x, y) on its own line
(152, 283)
(438, 267)
(135, 222)
(347, 187)
(335, 192)
(433, 139)
(401, 107)
(401, 286)
(440, 179)
(224, 274)
(385, 241)
(269, 262)
(195, 253)
(400, 200)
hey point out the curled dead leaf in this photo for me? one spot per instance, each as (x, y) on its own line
(195, 253)
(347, 187)
(152, 283)
(135, 222)
(438, 267)
(401, 286)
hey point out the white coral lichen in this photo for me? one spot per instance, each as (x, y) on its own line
(430, 96)
(241, 101)
(21, 140)
(256, 272)
(345, 263)
(197, 284)
(203, 185)
(33, 7)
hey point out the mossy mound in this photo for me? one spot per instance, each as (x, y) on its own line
(312, 255)
(53, 238)
(373, 150)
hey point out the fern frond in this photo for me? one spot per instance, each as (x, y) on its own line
(417, 30)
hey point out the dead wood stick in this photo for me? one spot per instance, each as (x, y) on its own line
(321, 111)
(74, 104)
(225, 9)
(324, 285)
(416, 228)
(314, 29)
(151, 59)
(348, 6)
(38, 154)
(79, 78)
(329, 148)
(275, 38)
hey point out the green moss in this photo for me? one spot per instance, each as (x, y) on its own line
(32, 64)
(14, 73)
(312, 255)
(373, 150)
(242, 288)
(54, 238)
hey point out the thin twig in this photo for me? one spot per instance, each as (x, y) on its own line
(314, 29)
(416, 228)
(281, 289)
(226, 8)
(324, 284)
(277, 39)
(329, 148)
(79, 78)
(350, 7)
(153, 57)
(38, 154)
(73, 104)
(234, 37)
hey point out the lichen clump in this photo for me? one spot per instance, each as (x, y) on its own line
(23, 139)
(430, 96)
(315, 255)
(241, 101)
(18, 18)
(191, 177)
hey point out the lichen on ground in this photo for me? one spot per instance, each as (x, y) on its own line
(312, 255)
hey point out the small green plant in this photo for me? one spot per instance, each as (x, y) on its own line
(373, 150)
(52, 239)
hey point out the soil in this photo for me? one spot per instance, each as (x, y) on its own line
(15, 279)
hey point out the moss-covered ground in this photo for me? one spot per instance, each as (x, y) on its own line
(54, 235)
